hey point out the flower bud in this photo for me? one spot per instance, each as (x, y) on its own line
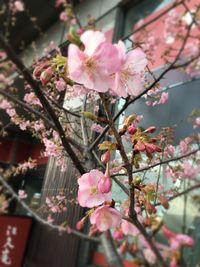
(123, 247)
(136, 180)
(46, 76)
(41, 67)
(80, 224)
(118, 234)
(132, 129)
(150, 129)
(164, 202)
(105, 184)
(150, 208)
(105, 157)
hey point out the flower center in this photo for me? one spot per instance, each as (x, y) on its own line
(125, 74)
(93, 190)
(90, 64)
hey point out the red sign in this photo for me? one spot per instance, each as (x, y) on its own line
(14, 233)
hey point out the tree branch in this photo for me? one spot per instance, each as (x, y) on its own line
(41, 220)
(36, 87)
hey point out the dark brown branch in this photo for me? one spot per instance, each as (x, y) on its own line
(128, 166)
(36, 87)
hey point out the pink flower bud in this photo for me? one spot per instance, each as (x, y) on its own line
(139, 146)
(151, 148)
(118, 234)
(38, 69)
(80, 224)
(132, 129)
(150, 208)
(150, 129)
(80, 30)
(105, 157)
(46, 76)
(153, 140)
(105, 184)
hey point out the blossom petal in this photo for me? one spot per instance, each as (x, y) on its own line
(136, 60)
(91, 40)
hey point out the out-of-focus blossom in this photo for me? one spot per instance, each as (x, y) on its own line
(22, 194)
(105, 218)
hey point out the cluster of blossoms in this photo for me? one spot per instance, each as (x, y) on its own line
(94, 65)
(8, 107)
(101, 66)
(67, 15)
(56, 204)
(156, 97)
(95, 193)
(174, 26)
(25, 166)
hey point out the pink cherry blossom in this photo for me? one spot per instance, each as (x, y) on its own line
(105, 218)
(196, 123)
(118, 234)
(169, 151)
(96, 128)
(93, 66)
(63, 16)
(31, 98)
(51, 149)
(189, 170)
(127, 80)
(23, 167)
(24, 124)
(11, 112)
(50, 219)
(184, 145)
(18, 6)
(163, 98)
(22, 194)
(60, 85)
(149, 255)
(128, 228)
(88, 194)
(59, 3)
(177, 240)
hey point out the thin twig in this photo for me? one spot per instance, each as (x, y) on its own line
(40, 219)
(36, 87)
